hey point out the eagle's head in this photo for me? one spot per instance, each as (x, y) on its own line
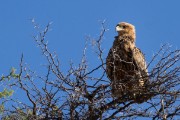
(126, 29)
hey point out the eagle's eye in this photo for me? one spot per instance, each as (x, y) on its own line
(123, 26)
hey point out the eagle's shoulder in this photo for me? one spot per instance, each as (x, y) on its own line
(138, 51)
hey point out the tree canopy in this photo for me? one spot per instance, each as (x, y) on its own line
(83, 93)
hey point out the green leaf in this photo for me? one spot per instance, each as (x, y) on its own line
(6, 93)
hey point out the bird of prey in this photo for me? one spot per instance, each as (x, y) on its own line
(126, 66)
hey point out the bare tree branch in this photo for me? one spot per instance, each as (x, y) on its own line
(82, 94)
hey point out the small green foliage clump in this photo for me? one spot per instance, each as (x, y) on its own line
(6, 93)
(13, 73)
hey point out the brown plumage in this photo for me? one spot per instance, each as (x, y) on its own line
(126, 66)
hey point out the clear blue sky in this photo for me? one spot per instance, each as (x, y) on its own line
(156, 22)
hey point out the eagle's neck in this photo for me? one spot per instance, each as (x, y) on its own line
(124, 42)
(125, 38)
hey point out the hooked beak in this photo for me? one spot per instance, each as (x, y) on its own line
(118, 28)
